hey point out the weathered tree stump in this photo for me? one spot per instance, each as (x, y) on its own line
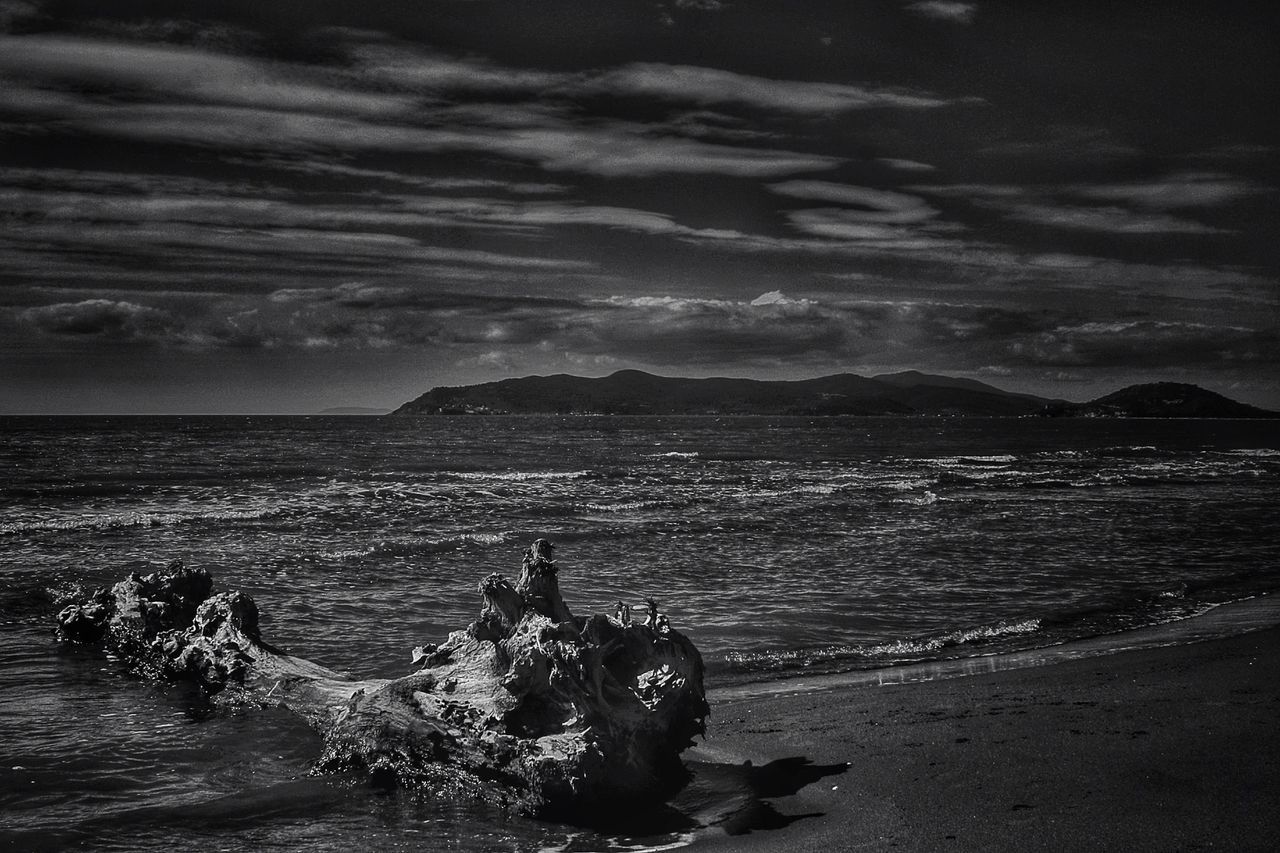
(527, 705)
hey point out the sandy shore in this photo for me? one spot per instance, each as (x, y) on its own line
(1166, 749)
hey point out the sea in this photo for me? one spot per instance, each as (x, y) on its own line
(791, 550)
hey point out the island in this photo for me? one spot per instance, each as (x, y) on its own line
(909, 393)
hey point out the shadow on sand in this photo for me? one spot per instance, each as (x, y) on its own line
(734, 798)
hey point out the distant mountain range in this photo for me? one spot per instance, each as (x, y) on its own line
(633, 392)
(353, 410)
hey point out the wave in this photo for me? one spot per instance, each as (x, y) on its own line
(910, 648)
(518, 476)
(674, 454)
(819, 489)
(138, 518)
(926, 499)
(628, 506)
(413, 547)
(996, 459)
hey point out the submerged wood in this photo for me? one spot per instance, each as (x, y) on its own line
(527, 705)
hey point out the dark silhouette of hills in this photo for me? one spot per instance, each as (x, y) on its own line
(634, 392)
(1160, 400)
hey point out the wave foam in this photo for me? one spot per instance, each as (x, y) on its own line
(410, 547)
(622, 507)
(137, 518)
(774, 659)
(519, 476)
(926, 499)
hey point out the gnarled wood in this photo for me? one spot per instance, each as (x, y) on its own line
(528, 704)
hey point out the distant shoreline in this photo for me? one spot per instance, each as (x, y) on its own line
(635, 393)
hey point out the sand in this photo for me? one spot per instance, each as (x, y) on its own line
(1165, 749)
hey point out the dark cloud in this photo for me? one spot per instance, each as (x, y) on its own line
(1150, 344)
(945, 10)
(871, 205)
(1063, 147)
(121, 321)
(1058, 206)
(701, 5)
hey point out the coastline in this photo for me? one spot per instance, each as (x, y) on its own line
(1171, 747)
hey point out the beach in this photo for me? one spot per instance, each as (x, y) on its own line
(797, 555)
(1163, 749)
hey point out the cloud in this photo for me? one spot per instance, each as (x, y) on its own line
(13, 11)
(422, 70)
(191, 75)
(715, 86)
(875, 205)
(770, 330)
(313, 166)
(1236, 152)
(103, 318)
(1040, 205)
(1057, 145)
(678, 330)
(494, 360)
(1113, 220)
(1149, 344)
(777, 297)
(945, 10)
(1188, 189)
(906, 165)
(853, 225)
(970, 190)
(391, 97)
(201, 98)
(611, 149)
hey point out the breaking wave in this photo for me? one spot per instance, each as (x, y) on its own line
(628, 506)
(894, 651)
(413, 547)
(926, 499)
(518, 476)
(137, 518)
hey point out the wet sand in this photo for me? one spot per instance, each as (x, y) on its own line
(1164, 749)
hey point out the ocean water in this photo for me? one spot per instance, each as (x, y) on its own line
(785, 547)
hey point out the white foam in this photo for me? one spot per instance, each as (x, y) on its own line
(136, 518)
(519, 476)
(926, 499)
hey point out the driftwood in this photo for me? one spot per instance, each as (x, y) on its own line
(528, 705)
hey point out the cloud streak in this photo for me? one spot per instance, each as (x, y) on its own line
(1113, 220)
(1057, 206)
(397, 99)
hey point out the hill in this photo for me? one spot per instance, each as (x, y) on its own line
(634, 392)
(1160, 400)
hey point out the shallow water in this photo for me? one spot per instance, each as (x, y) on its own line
(785, 547)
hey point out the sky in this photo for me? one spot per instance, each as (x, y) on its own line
(240, 207)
